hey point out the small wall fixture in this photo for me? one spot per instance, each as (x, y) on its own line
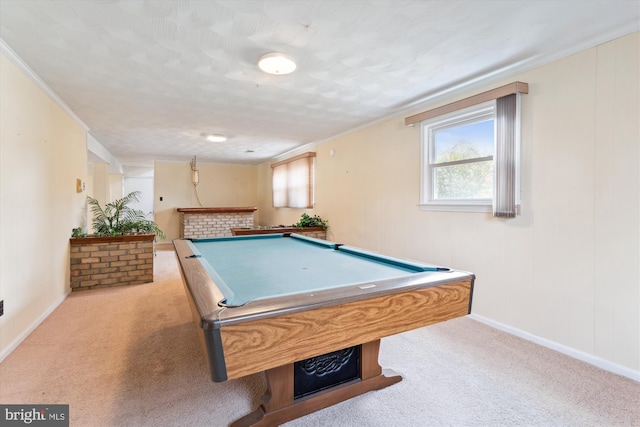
(276, 63)
(195, 175)
(79, 186)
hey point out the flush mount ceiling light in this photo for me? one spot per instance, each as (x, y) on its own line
(216, 138)
(276, 63)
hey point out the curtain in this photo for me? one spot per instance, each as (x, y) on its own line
(507, 130)
(279, 184)
(292, 182)
(300, 181)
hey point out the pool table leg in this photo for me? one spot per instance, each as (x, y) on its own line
(278, 405)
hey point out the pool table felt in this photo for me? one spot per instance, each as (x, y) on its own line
(248, 269)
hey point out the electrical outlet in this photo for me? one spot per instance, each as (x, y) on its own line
(1, 307)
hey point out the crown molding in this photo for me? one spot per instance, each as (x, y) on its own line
(516, 68)
(464, 88)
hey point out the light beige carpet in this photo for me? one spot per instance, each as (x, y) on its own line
(130, 357)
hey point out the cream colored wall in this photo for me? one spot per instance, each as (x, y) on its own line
(116, 186)
(100, 185)
(566, 270)
(42, 153)
(219, 186)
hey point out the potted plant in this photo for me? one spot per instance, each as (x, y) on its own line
(121, 250)
(314, 221)
(117, 218)
(312, 226)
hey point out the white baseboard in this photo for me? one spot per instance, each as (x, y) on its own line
(571, 352)
(7, 351)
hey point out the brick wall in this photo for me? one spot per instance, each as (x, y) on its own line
(202, 225)
(315, 232)
(111, 261)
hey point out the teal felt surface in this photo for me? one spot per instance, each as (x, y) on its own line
(247, 269)
(399, 262)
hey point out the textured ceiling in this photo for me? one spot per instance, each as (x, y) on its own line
(150, 78)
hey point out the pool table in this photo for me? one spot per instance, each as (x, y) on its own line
(297, 307)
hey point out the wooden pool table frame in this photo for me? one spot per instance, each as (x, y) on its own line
(271, 334)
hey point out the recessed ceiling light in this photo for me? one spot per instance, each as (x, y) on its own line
(216, 138)
(276, 63)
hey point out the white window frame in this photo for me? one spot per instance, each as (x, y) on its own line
(427, 128)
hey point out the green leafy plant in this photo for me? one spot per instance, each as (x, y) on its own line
(117, 218)
(314, 221)
(77, 232)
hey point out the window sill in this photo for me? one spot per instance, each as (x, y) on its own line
(449, 206)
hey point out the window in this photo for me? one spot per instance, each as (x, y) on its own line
(459, 170)
(458, 159)
(292, 182)
(454, 159)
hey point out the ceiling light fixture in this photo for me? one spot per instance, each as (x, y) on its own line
(276, 63)
(216, 138)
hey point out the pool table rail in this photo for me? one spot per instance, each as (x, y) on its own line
(209, 300)
(205, 295)
(305, 301)
(265, 343)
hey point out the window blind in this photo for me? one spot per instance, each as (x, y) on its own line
(505, 158)
(279, 184)
(292, 182)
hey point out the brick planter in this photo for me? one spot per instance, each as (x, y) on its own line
(198, 223)
(99, 262)
(315, 232)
